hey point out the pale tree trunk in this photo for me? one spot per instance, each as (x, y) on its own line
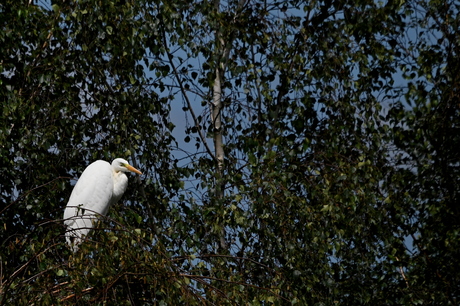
(223, 45)
(223, 49)
(217, 107)
(216, 117)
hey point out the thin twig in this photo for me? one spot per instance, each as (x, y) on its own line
(402, 273)
(29, 191)
(197, 277)
(16, 273)
(84, 291)
(187, 100)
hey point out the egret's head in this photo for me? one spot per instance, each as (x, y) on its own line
(121, 164)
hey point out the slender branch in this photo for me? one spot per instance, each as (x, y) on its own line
(402, 274)
(56, 288)
(84, 291)
(29, 191)
(223, 256)
(1, 277)
(197, 277)
(18, 271)
(187, 100)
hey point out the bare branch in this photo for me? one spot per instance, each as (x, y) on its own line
(187, 100)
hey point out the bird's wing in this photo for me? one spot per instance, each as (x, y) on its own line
(93, 192)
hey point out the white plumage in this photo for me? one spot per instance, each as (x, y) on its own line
(100, 185)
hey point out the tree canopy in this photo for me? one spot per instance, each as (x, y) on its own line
(293, 152)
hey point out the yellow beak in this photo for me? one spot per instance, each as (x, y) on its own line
(132, 169)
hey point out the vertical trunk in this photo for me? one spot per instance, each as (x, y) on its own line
(223, 47)
(216, 117)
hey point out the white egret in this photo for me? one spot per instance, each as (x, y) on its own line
(100, 186)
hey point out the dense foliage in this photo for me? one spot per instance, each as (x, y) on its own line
(293, 152)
